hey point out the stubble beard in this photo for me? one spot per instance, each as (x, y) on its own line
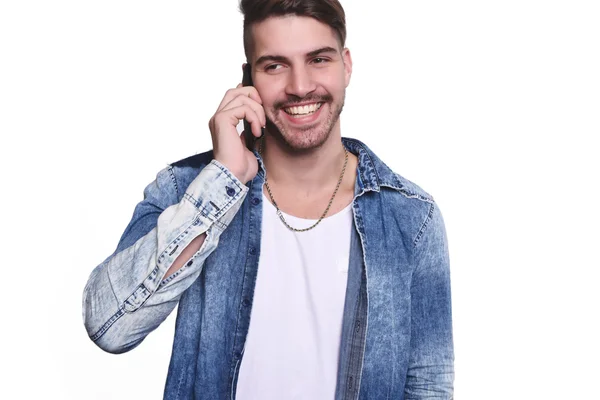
(303, 140)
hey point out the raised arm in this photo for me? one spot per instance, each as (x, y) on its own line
(163, 249)
(159, 256)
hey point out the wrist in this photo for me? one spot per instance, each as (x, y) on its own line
(237, 172)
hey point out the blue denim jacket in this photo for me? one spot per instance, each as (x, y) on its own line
(397, 326)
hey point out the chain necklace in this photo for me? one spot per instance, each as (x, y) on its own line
(280, 214)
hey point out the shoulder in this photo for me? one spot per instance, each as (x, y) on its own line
(411, 190)
(375, 175)
(399, 199)
(185, 170)
(195, 162)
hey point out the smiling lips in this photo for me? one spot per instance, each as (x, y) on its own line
(303, 111)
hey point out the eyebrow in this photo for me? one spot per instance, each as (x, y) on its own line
(313, 53)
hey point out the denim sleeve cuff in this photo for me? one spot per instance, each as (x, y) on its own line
(214, 192)
(209, 204)
(129, 295)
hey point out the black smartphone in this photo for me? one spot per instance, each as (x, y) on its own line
(249, 138)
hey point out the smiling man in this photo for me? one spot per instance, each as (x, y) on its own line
(303, 266)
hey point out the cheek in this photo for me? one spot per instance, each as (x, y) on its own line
(333, 82)
(269, 93)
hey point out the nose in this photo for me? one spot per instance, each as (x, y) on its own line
(300, 82)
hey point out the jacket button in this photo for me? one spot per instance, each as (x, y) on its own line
(237, 355)
(230, 191)
(190, 263)
(255, 201)
(252, 250)
(246, 302)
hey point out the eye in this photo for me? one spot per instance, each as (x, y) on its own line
(320, 60)
(273, 67)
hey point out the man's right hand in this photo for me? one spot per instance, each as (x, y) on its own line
(229, 147)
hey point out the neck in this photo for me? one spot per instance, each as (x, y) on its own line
(307, 171)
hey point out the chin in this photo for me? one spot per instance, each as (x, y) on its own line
(304, 139)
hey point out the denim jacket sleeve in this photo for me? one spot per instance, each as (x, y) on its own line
(431, 365)
(128, 295)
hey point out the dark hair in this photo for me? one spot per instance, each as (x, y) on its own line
(329, 12)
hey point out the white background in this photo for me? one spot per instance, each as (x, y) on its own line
(493, 107)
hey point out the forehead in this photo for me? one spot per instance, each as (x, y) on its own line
(291, 36)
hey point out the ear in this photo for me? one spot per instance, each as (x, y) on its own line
(347, 59)
(243, 66)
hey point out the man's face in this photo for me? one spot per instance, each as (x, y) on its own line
(301, 75)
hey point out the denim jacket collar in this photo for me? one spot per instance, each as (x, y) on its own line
(372, 173)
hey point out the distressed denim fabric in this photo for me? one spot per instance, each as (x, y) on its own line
(397, 325)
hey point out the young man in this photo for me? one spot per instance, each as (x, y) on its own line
(304, 268)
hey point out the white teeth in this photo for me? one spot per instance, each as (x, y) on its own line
(303, 110)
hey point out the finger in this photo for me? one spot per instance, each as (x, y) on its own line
(249, 91)
(235, 115)
(241, 100)
(253, 94)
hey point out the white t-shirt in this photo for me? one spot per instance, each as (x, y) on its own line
(292, 347)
